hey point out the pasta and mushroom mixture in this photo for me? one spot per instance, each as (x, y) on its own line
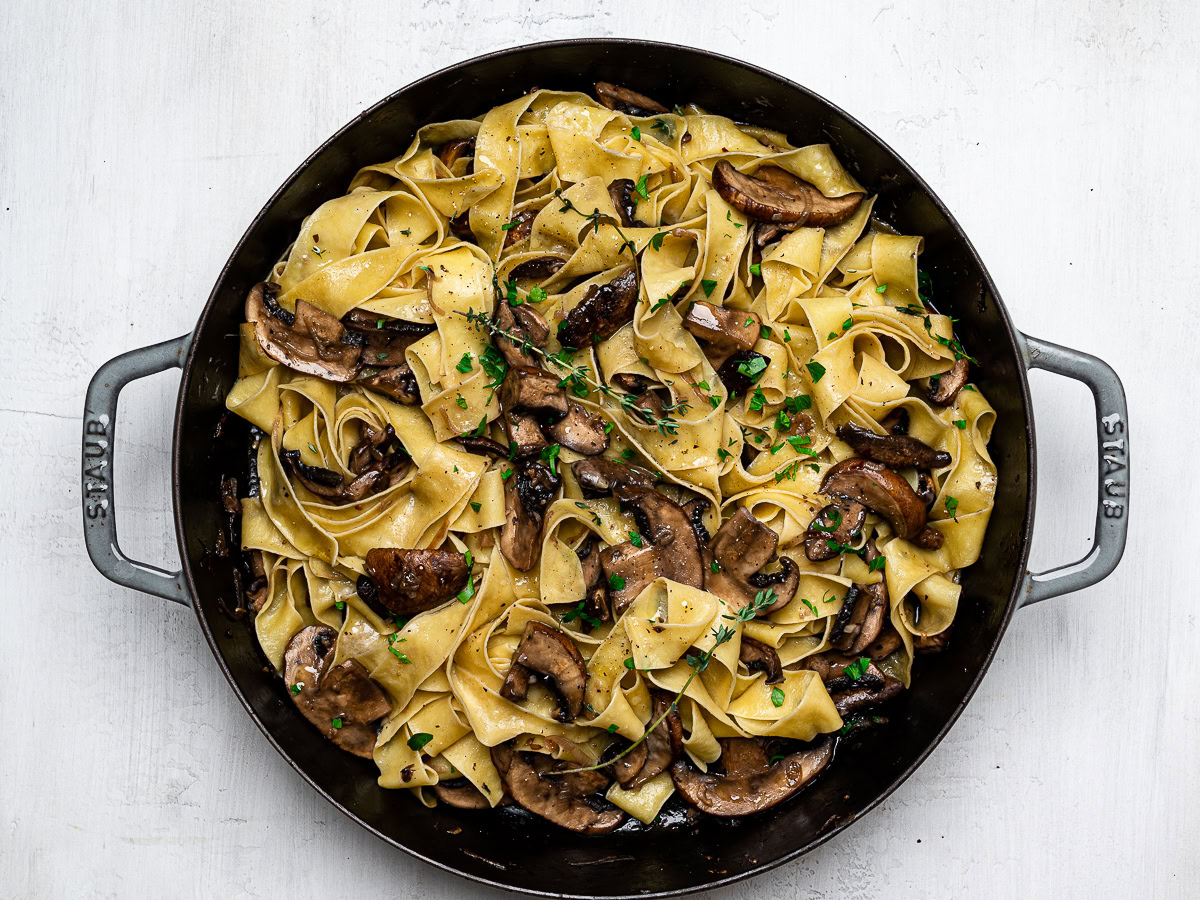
(603, 452)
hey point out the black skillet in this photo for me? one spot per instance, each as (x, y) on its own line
(521, 852)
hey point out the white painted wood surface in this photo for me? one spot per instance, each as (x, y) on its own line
(137, 140)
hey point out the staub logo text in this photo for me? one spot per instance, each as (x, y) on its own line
(1114, 462)
(96, 446)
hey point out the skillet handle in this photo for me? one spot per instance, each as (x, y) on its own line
(99, 432)
(1112, 508)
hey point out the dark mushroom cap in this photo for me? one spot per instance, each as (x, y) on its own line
(598, 477)
(553, 656)
(525, 437)
(579, 430)
(662, 746)
(856, 632)
(665, 525)
(383, 340)
(311, 342)
(483, 446)
(595, 584)
(528, 326)
(397, 382)
(602, 311)
(742, 546)
(527, 493)
(531, 781)
(621, 194)
(896, 450)
(880, 490)
(530, 389)
(776, 196)
(735, 380)
(629, 102)
(524, 227)
(760, 657)
(726, 330)
(412, 581)
(461, 794)
(754, 787)
(345, 694)
(539, 268)
(451, 151)
(868, 694)
(943, 391)
(633, 567)
(837, 522)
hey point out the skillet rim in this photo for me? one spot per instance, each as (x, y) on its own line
(1014, 346)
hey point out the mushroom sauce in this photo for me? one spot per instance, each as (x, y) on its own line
(609, 452)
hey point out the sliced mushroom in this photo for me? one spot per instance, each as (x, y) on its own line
(461, 794)
(397, 382)
(411, 581)
(752, 789)
(527, 493)
(856, 699)
(925, 489)
(733, 372)
(308, 341)
(665, 525)
(742, 546)
(931, 643)
(343, 702)
(661, 747)
(256, 587)
(766, 232)
(580, 431)
(329, 484)
(886, 644)
(626, 767)
(695, 509)
(760, 657)
(835, 526)
(776, 196)
(384, 340)
(523, 227)
(726, 330)
(651, 401)
(524, 434)
(621, 192)
(896, 450)
(595, 584)
(483, 446)
(945, 387)
(628, 570)
(451, 151)
(529, 329)
(531, 781)
(529, 389)
(882, 491)
(855, 633)
(539, 268)
(629, 102)
(599, 477)
(553, 656)
(602, 311)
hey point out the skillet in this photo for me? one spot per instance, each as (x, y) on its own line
(514, 850)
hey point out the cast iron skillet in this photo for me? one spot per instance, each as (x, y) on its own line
(521, 852)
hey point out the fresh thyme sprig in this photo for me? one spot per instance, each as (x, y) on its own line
(578, 377)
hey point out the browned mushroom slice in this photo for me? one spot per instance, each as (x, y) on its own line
(661, 747)
(695, 509)
(554, 657)
(833, 527)
(539, 268)
(516, 682)
(461, 794)
(622, 196)
(256, 587)
(580, 431)
(629, 102)
(602, 311)
(527, 493)
(371, 447)
(384, 340)
(760, 657)
(766, 232)
(776, 196)
(886, 644)
(895, 450)
(944, 388)
(531, 781)
(627, 571)
(524, 434)
(664, 524)
(752, 790)
(925, 489)
(598, 477)
(652, 399)
(596, 586)
(931, 643)
(451, 151)
(483, 446)
(741, 370)
(742, 546)
(859, 697)
(883, 491)
(727, 330)
(309, 340)
(529, 330)
(397, 382)
(523, 227)
(344, 703)
(411, 581)
(855, 633)
(529, 389)
(330, 485)
(626, 767)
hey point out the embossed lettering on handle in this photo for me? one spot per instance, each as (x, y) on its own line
(99, 433)
(1112, 504)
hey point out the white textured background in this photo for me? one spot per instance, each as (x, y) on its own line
(136, 142)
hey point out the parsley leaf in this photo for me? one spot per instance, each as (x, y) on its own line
(858, 668)
(419, 740)
(640, 188)
(636, 133)
(464, 364)
(777, 697)
(616, 582)
(816, 370)
(709, 286)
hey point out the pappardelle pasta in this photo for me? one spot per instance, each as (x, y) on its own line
(604, 452)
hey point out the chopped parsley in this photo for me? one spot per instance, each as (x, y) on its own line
(815, 370)
(881, 289)
(709, 286)
(757, 400)
(952, 507)
(616, 582)
(536, 294)
(577, 612)
(419, 740)
(799, 403)
(460, 401)
(877, 564)
(858, 668)
(635, 539)
(715, 566)
(755, 268)
(336, 721)
(960, 424)
(640, 188)
(753, 368)
(550, 455)
(656, 240)
(636, 133)
(777, 697)
(476, 505)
